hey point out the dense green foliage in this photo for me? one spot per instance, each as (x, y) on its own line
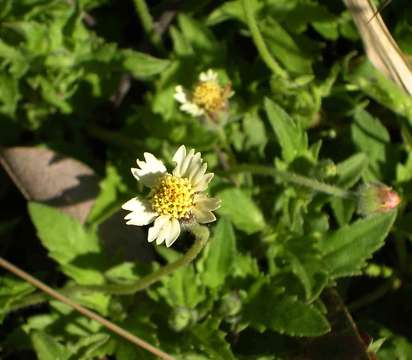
(84, 79)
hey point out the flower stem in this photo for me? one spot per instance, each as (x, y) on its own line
(201, 234)
(82, 310)
(143, 13)
(259, 41)
(292, 178)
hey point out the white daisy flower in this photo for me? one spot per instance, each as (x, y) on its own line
(174, 199)
(207, 98)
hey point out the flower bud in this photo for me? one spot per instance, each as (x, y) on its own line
(230, 304)
(181, 318)
(377, 198)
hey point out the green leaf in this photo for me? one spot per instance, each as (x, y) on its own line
(107, 201)
(291, 137)
(182, 287)
(198, 35)
(370, 136)
(346, 250)
(12, 290)
(142, 65)
(221, 254)
(268, 309)
(212, 340)
(47, 348)
(373, 83)
(69, 243)
(241, 210)
(255, 131)
(284, 48)
(348, 172)
(9, 94)
(305, 262)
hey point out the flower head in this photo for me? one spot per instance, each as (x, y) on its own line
(208, 97)
(174, 199)
(377, 198)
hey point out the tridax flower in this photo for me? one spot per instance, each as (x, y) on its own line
(208, 97)
(377, 198)
(175, 199)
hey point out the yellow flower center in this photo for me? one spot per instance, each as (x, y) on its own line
(172, 196)
(210, 96)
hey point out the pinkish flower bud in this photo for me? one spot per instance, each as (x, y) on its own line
(377, 198)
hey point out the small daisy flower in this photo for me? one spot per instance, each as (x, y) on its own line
(207, 98)
(175, 199)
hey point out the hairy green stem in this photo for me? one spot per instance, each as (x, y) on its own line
(292, 178)
(143, 13)
(260, 42)
(201, 234)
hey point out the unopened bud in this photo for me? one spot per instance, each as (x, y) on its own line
(377, 198)
(180, 318)
(230, 304)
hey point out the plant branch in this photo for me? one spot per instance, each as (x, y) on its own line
(202, 235)
(260, 42)
(82, 310)
(292, 178)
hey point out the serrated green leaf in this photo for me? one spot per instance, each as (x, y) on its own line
(371, 137)
(284, 48)
(268, 309)
(290, 136)
(142, 65)
(12, 290)
(305, 262)
(47, 348)
(241, 210)
(76, 250)
(346, 250)
(212, 340)
(373, 83)
(221, 254)
(182, 287)
(350, 170)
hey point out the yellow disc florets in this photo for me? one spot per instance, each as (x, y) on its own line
(173, 196)
(209, 95)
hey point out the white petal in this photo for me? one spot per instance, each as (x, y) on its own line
(149, 171)
(206, 203)
(141, 212)
(180, 94)
(197, 173)
(179, 155)
(156, 229)
(203, 217)
(209, 75)
(202, 184)
(174, 232)
(164, 232)
(187, 164)
(192, 109)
